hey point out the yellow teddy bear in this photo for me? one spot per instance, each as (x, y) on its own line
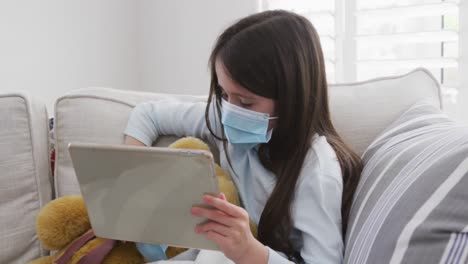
(63, 226)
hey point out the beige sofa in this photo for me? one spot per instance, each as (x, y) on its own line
(25, 182)
(360, 112)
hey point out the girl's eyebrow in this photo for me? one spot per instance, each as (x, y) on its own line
(236, 94)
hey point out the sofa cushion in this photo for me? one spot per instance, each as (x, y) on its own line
(411, 203)
(95, 115)
(25, 184)
(360, 111)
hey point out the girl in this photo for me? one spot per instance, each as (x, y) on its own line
(268, 114)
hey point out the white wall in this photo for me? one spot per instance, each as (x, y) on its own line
(462, 112)
(176, 39)
(52, 46)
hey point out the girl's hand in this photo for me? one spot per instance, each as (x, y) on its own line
(229, 229)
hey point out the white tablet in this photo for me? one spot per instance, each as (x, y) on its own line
(144, 194)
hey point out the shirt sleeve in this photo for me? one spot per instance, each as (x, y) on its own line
(149, 120)
(317, 212)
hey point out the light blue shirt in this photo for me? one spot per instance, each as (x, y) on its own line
(316, 209)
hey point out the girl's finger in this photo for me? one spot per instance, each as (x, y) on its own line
(214, 215)
(213, 226)
(222, 196)
(219, 239)
(224, 206)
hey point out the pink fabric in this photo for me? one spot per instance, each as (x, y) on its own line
(97, 255)
(77, 244)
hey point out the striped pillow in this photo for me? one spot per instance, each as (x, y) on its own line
(411, 205)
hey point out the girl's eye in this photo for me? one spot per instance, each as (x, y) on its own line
(245, 105)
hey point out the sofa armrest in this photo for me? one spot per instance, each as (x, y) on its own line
(25, 181)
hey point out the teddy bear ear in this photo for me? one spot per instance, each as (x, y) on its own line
(61, 221)
(190, 143)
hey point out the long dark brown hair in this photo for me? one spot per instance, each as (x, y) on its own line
(277, 55)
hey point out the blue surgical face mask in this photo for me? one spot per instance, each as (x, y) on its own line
(243, 126)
